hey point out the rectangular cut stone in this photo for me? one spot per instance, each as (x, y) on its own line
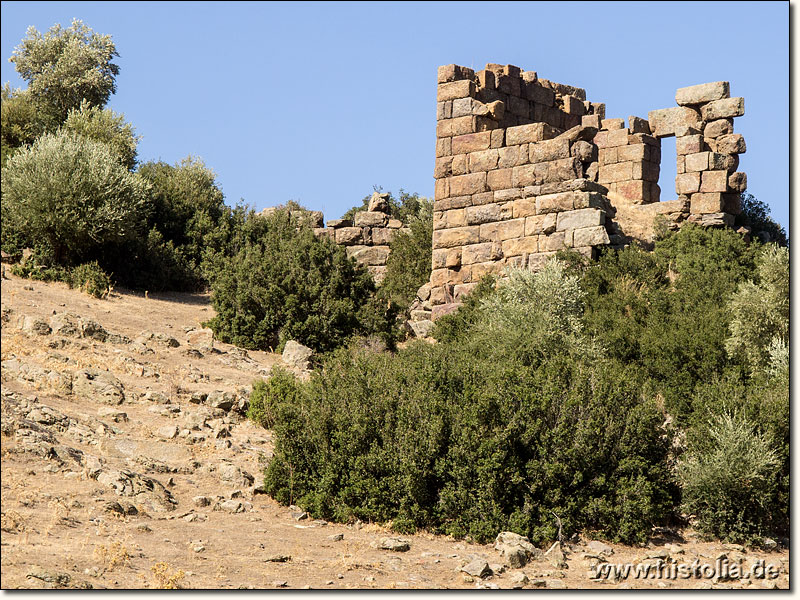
(524, 207)
(582, 199)
(524, 175)
(573, 106)
(366, 218)
(483, 160)
(441, 189)
(666, 122)
(610, 124)
(617, 137)
(452, 258)
(700, 94)
(706, 203)
(634, 152)
(369, 255)
(500, 179)
(462, 290)
(459, 165)
(714, 181)
(635, 192)
(723, 109)
(503, 230)
(483, 198)
(443, 146)
(719, 127)
(519, 246)
(449, 203)
(472, 142)
(533, 132)
(461, 125)
(480, 270)
(537, 224)
(455, 89)
(463, 185)
(483, 214)
(585, 217)
(460, 236)
(616, 172)
(731, 144)
(447, 73)
(512, 156)
(506, 195)
(697, 162)
(687, 183)
(476, 253)
(552, 242)
(555, 202)
(548, 150)
(689, 144)
(462, 107)
(737, 182)
(349, 235)
(590, 236)
(443, 167)
(439, 259)
(564, 169)
(456, 217)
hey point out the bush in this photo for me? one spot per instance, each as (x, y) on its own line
(280, 386)
(404, 208)
(728, 480)
(756, 215)
(91, 278)
(409, 264)
(104, 125)
(285, 283)
(71, 197)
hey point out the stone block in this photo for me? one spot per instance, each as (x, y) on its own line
(439, 258)
(442, 168)
(486, 213)
(555, 202)
(450, 203)
(607, 156)
(524, 207)
(483, 160)
(462, 290)
(573, 105)
(714, 129)
(502, 230)
(553, 242)
(538, 224)
(536, 262)
(455, 89)
(612, 124)
(443, 147)
(697, 161)
(394, 224)
(634, 192)
(636, 152)
(638, 125)
(737, 182)
(500, 179)
(382, 236)
(460, 163)
(455, 217)
(731, 144)
(512, 156)
(590, 236)
(700, 94)
(441, 189)
(519, 106)
(368, 218)
(714, 181)
(448, 73)
(452, 258)
(586, 152)
(583, 199)
(722, 162)
(477, 253)
(723, 109)
(459, 236)
(520, 246)
(533, 174)
(732, 203)
(575, 219)
(498, 138)
(507, 195)
(540, 94)
(336, 223)
(464, 185)
(444, 110)
(666, 122)
(564, 169)
(706, 203)
(349, 235)
(480, 270)
(472, 142)
(689, 144)
(616, 172)
(533, 132)
(591, 121)
(617, 137)
(482, 198)
(687, 183)
(548, 150)
(368, 255)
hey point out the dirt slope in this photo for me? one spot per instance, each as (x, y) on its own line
(127, 463)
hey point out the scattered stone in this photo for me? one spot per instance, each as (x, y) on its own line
(600, 548)
(769, 544)
(106, 412)
(556, 557)
(121, 508)
(100, 386)
(555, 584)
(147, 491)
(515, 549)
(201, 501)
(662, 554)
(299, 515)
(296, 355)
(234, 506)
(168, 432)
(538, 583)
(394, 544)
(280, 584)
(518, 580)
(92, 329)
(57, 578)
(477, 568)
(278, 558)
(233, 475)
(336, 537)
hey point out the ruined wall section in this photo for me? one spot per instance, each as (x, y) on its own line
(514, 177)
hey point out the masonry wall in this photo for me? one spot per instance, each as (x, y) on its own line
(526, 167)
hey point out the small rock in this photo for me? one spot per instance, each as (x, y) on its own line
(516, 549)
(477, 568)
(233, 475)
(336, 537)
(555, 584)
(296, 355)
(555, 555)
(299, 516)
(198, 548)
(278, 558)
(662, 554)
(233, 506)
(600, 548)
(394, 544)
(168, 432)
(518, 580)
(538, 583)
(53, 577)
(280, 584)
(769, 544)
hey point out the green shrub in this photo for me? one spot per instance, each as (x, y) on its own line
(404, 208)
(756, 215)
(280, 386)
(71, 196)
(90, 278)
(409, 264)
(284, 283)
(728, 480)
(104, 125)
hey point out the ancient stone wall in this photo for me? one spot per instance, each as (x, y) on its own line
(526, 167)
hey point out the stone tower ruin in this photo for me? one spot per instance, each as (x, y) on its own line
(526, 167)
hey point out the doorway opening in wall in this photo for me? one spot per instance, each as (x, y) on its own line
(668, 170)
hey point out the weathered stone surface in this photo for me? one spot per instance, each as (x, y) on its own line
(296, 355)
(145, 490)
(379, 202)
(687, 183)
(702, 93)
(590, 236)
(369, 255)
(717, 128)
(422, 328)
(731, 144)
(555, 556)
(670, 121)
(706, 203)
(517, 550)
(465, 185)
(737, 182)
(66, 324)
(723, 109)
(477, 568)
(233, 475)
(459, 236)
(366, 218)
(534, 132)
(98, 386)
(455, 89)
(714, 181)
(394, 544)
(585, 217)
(349, 235)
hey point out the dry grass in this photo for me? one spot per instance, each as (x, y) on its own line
(112, 556)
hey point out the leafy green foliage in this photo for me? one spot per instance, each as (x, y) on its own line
(284, 283)
(21, 121)
(409, 264)
(90, 278)
(728, 480)
(65, 66)
(756, 215)
(104, 125)
(71, 196)
(760, 309)
(281, 386)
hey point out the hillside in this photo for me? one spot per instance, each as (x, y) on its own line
(126, 461)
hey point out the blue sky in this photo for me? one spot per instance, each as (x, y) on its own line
(319, 102)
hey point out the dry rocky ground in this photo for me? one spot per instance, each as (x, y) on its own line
(127, 463)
